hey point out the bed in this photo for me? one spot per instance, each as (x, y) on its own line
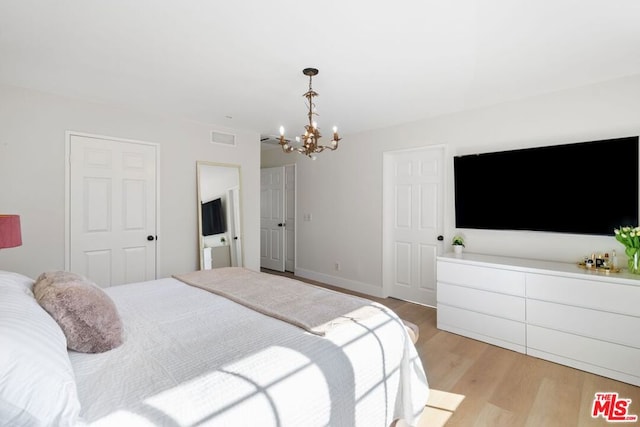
(194, 356)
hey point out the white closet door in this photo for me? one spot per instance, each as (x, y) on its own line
(112, 210)
(413, 221)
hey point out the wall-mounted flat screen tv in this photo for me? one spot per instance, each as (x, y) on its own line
(580, 188)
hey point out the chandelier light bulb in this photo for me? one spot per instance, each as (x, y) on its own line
(282, 131)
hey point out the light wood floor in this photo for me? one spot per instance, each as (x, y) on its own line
(477, 384)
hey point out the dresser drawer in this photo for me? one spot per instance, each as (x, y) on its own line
(579, 352)
(499, 305)
(490, 279)
(603, 325)
(616, 298)
(494, 330)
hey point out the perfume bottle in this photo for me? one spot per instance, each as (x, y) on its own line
(614, 260)
(590, 262)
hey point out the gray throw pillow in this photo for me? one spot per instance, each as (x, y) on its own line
(85, 313)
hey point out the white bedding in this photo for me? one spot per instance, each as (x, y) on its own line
(193, 358)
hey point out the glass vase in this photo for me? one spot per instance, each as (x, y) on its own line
(634, 263)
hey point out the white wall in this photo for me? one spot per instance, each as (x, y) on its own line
(343, 189)
(32, 175)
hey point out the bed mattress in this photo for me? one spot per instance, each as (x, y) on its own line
(193, 358)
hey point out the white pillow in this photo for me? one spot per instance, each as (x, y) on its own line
(37, 384)
(16, 280)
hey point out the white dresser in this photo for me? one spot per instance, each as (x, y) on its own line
(216, 257)
(555, 311)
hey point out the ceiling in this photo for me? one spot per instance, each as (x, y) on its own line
(239, 63)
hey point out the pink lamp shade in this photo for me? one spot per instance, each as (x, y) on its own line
(10, 235)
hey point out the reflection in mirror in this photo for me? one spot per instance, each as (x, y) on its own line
(219, 215)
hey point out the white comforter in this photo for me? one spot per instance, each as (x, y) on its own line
(192, 358)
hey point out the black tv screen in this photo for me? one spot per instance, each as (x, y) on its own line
(213, 218)
(581, 188)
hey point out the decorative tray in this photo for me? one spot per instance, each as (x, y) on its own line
(604, 270)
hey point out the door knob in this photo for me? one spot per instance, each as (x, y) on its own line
(150, 238)
(282, 224)
(440, 238)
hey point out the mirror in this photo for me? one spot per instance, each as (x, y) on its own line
(219, 215)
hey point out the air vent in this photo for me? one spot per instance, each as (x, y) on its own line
(270, 139)
(222, 138)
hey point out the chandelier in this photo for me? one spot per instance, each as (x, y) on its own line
(311, 137)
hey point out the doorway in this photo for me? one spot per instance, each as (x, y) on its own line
(277, 218)
(111, 225)
(413, 220)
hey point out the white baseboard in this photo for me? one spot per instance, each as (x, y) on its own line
(351, 285)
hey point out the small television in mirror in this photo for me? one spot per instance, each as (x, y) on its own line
(213, 218)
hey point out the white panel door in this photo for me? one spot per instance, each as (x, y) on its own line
(112, 210)
(290, 217)
(272, 221)
(413, 220)
(235, 231)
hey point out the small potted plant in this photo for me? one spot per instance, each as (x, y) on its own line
(458, 243)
